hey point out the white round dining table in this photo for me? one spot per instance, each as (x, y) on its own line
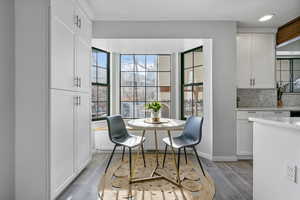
(167, 125)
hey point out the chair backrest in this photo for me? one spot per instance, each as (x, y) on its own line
(193, 129)
(116, 127)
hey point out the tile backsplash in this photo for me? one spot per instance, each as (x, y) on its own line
(264, 98)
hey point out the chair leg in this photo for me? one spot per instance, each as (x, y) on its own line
(123, 153)
(130, 172)
(198, 160)
(165, 154)
(112, 153)
(143, 154)
(178, 159)
(185, 155)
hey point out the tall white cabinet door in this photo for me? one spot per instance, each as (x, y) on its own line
(244, 67)
(263, 54)
(83, 131)
(62, 139)
(83, 62)
(244, 137)
(63, 10)
(62, 56)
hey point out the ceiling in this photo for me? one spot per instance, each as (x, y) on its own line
(245, 12)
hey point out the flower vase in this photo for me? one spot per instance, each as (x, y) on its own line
(155, 116)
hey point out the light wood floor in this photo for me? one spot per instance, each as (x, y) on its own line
(233, 180)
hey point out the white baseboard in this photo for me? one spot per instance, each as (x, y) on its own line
(205, 155)
(244, 157)
(224, 158)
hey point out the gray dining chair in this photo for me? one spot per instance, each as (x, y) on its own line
(119, 135)
(190, 137)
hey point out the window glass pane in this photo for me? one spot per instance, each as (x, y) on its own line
(94, 58)
(164, 63)
(296, 85)
(127, 63)
(165, 109)
(140, 78)
(127, 109)
(164, 94)
(102, 109)
(198, 74)
(140, 93)
(102, 59)
(151, 78)
(164, 78)
(285, 65)
(127, 78)
(198, 57)
(296, 64)
(102, 93)
(151, 61)
(188, 60)
(94, 74)
(94, 93)
(188, 101)
(127, 94)
(286, 86)
(198, 100)
(278, 76)
(151, 94)
(139, 110)
(140, 62)
(188, 76)
(285, 76)
(102, 75)
(94, 110)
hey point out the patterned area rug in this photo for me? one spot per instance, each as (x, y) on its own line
(114, 185)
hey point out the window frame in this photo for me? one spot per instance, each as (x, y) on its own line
(107, 84)
(183, 85)
(157, 71)
(291, 73)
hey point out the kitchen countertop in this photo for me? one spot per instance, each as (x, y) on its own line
(287, 108)
(285, 122)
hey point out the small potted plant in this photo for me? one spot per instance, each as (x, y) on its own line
(154, 107)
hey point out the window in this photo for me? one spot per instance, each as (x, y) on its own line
(144, 78)
(100, 84)
(192, 82)
(288, 74)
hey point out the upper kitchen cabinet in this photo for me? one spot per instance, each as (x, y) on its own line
(255, 60)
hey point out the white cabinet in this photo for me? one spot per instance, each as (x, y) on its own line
(62, 139)
(244, 137)
(255, 60)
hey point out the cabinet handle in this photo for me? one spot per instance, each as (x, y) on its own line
(79, 23)
(76, 20)
(79, 100)
(254, 82)
(250, 81)
(79, 82)
(75, 100)
(251, 111)
(76, 81)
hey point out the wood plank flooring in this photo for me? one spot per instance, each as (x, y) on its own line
(233, 180)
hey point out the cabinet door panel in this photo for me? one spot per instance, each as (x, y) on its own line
(63, 10)
(244, 68)
(244, 137)
(84, 29)
(83, 65)
(83, 131)
(62, 138)
(263, 56)
(62, 57)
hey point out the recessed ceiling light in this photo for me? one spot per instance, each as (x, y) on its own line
(266, 17)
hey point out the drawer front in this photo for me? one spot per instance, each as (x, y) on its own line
(276, 114)
(246, 114)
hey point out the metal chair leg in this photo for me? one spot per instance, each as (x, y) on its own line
(130, 172)
(185, 155)
(178, 159)
(166, 148)
(143, 154)
(112, 153)
(198, 160)
(123, 153)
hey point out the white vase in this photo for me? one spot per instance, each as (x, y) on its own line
(155, 116)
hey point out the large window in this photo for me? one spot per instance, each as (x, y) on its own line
(100, 84)
(192, 82)
(288, 74)
(144, 78)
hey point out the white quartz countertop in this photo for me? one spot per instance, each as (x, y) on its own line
(285, 122)
(294, 108)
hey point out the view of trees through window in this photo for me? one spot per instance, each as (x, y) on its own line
(100, 84)
(144, 79)
(192, 82)
(288, 74)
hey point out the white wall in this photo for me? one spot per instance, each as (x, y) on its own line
(223, 34)
(31, 100)
(6, 99)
